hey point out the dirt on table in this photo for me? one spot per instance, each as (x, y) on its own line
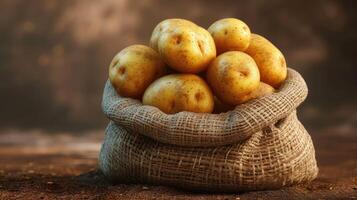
(37, 165)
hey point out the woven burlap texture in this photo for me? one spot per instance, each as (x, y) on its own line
(258, 145)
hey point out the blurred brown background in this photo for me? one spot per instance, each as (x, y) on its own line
(54, 55)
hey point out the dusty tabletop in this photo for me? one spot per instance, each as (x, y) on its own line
(38, 165)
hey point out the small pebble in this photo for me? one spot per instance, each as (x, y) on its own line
(145, 188)
(49, 182)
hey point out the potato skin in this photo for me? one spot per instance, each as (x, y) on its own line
(270, 60)
(166, 26)
(134, 68)
(232, 76)
(262, 90)
(180, 92)
(230, 34)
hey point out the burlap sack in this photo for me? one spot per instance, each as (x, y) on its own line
(258, 145)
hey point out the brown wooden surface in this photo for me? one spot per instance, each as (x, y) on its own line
(36, 165)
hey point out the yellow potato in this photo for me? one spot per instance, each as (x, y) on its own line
(262, 90)
(186, 48)
(230, 34)
(180, 92)
(133, 69)
(232, 76)
(270, 60)
(167, 25)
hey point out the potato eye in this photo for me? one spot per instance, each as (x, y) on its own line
(199, 96)
(122, 70)
(178, 39)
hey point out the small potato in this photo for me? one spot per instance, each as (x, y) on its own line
(262, 90)
(270, 60)
(180, 92)
(232, 76)
(167, 25)
(133, 69)
(230, 34)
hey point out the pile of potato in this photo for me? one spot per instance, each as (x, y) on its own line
(189, 68)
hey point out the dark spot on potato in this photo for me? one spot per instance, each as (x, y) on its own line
(122, 70)
(199, 96)
(225, 32)
(177, 39)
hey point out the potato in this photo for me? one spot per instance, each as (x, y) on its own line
(270, 60)
(230, 34)
(167, 25)
(133, 69)
(232, 76)
(180, 92)
(262, 90)
(184, 46)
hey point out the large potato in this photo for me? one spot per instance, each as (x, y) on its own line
(185, 47)
(164, 26)
(270, 60)
(230, 34)
(232, 76)
(180, 92)
(133, 69)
